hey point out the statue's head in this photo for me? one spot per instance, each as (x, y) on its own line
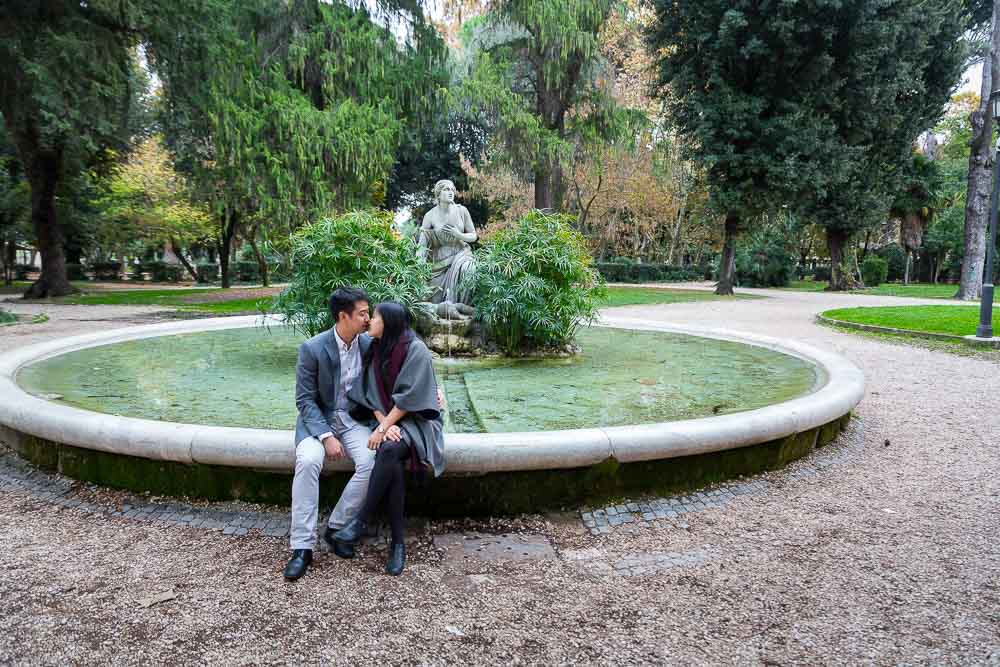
(444, 191)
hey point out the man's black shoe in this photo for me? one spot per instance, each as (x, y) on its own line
(397, 560)
(352, 532)
(299, 563)
(342, 549)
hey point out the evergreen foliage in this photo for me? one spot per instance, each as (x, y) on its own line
(874, 271)
(65, 75)
(808, 103)
(536, 77)
(359, 249)
(298, 108)
(534, 284)
(765, 258)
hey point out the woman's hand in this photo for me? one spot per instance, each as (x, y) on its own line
(375, 439)
(394, 433)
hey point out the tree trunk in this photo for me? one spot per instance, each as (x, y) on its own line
(229, 225)
(179, 252)
(10, 258)
(840, 279)
(675, 235)
(549, 187)
(43, 171)
(906, 268)
(727, 264)
(977, 199)
(261, 262)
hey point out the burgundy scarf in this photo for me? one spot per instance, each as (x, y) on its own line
(387, 382)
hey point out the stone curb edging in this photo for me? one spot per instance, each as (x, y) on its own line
(872, 328)
(835, 396)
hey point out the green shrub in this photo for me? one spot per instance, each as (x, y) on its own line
(874, 270)
(106, 270)
(207, 272)
(534, 285)
(765, 261)
(359, 249)
(161, 272)
(617, 271)
(7, 318)
(895, 256)
(821, 273)
(247, 271)
(75, 272)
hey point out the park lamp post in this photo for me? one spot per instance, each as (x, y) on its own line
(985, 328)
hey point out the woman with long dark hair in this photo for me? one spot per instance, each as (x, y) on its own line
(398, 397)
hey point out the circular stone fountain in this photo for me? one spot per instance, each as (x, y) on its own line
(205, 408)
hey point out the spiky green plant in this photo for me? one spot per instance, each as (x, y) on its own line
(534, 285)
(359, 249)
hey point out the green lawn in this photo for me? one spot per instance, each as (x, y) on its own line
(633, 296)
(954, 320)
(187, 299)
(211, 300)
(916, 290)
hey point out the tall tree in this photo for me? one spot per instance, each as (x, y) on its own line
(743, 83)
(894, 67)
(915, 205)
(537, 76)
(297, 107)
(65, 71)
(980, 177)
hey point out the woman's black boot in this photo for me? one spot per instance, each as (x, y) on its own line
(397, 559)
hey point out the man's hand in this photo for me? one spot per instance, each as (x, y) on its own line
(333, 448)
(375, 439)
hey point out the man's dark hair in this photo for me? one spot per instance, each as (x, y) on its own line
(343, 300)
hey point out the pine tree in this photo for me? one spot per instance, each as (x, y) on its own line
(537, 77)
(65, 72)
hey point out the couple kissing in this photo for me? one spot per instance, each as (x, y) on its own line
(365, 389)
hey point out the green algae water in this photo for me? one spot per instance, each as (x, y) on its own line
(246, 377)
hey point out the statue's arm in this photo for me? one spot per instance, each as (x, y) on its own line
(468, 231)
(423, 240)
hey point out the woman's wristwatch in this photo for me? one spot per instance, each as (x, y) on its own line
(381, 429)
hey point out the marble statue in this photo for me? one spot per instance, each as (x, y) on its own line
(445, 235)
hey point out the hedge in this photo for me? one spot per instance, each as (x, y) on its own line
(620, 272)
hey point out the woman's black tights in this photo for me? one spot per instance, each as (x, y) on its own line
(388, 482)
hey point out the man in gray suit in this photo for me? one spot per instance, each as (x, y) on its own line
(328, 365)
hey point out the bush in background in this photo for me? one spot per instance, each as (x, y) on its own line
(359, 249)
(534, 284)
(874, 270)
(247, 271)
(617, 271)
(765, 261)
(161, 272)
(106, 270)
(75, 272)
(895, 257)
(207, 272)
(821, 273)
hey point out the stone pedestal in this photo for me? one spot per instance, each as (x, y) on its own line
(449, 337)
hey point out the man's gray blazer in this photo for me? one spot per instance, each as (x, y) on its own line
(317, 378)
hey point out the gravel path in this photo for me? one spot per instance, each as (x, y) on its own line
(889, 556)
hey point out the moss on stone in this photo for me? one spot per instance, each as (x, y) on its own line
(489, 494)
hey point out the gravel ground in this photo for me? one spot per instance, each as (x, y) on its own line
(889, 556)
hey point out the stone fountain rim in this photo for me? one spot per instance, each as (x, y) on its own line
(840, 390)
